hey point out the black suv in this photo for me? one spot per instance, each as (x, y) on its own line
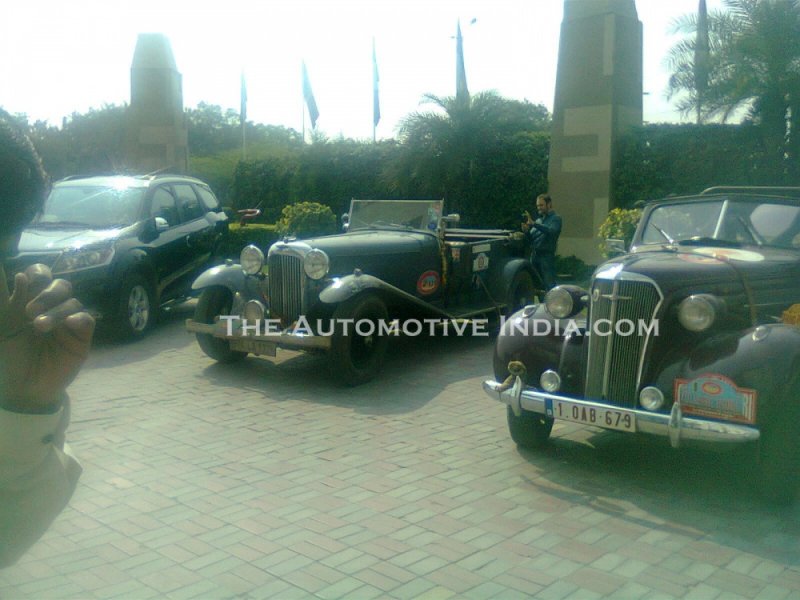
(127, 244)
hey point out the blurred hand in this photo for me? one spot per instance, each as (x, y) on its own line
(45, 336)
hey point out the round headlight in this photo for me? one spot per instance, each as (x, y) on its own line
(559, 303)
(651, 398)
(550, 381)
(251, 259)
(316, 264)
(696, 313)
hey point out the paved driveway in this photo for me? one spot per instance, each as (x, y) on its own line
(264, 480)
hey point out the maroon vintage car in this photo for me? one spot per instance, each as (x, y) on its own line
(692, 335)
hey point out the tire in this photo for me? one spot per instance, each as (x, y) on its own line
(778, 464)
(213, 302)
(137, 307)
(521, 292)
(529, 430)
(355, 359)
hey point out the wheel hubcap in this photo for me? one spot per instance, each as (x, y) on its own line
(138, 308)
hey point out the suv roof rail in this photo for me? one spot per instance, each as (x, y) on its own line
(793, 190)
(86, 176)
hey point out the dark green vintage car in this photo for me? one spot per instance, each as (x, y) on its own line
(399, 268)
(692, 336)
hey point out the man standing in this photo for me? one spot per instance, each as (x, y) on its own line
(544, 232)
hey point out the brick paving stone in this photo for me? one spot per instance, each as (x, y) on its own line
(265, 481)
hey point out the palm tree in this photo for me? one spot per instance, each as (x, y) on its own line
(444, 148)
(753, 65)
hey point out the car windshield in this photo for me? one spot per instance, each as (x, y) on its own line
(768, 222)
(91, 206)
(407, 214)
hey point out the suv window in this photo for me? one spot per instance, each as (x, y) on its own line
(163, 205)
(188, 204)
(208, 198)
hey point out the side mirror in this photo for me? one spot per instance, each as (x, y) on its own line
(345, 221)
(615, 248)
(161, 224)
(149, 230)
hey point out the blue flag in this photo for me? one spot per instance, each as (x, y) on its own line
(308, 94)
(462, 93)
(376, 103)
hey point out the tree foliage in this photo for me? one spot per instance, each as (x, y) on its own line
(454, 152)
(753, 65)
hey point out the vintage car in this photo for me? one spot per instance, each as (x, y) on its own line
(398, 261)
(692, 335)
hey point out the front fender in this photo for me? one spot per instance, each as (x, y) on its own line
(232, 277)
(765, 359)
(344, 288)
(540, 341)
(500, 286)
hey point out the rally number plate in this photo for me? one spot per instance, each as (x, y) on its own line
(608, 418)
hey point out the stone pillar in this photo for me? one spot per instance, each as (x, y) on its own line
(158, 135)
(598, 96)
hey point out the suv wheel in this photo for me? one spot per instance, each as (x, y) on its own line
(356, 358)
(213, 302)
(137, 307)
(529, 430)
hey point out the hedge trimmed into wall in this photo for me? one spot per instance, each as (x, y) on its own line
(658, 160)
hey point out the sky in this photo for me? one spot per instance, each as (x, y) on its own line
(60, 57)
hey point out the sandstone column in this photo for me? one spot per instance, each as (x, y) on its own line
(598, 97)
(158, 135)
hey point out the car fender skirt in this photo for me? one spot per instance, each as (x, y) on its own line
(232, 277)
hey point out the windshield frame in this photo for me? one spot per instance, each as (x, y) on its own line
(411, 215)
(645, 238)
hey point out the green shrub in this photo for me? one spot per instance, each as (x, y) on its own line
(620, 224)
(306, 219)
(238, 237)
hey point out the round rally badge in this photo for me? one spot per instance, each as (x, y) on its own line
(428, 283)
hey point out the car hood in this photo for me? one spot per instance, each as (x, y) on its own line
(361, 243)
(51, 240)
(772, 274)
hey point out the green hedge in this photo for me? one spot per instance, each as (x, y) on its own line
(258, 234)
(658, 160)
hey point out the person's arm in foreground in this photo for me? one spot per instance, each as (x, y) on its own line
(44, 338)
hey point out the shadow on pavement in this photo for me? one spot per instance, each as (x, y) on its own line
(689, 491)
(415, 372)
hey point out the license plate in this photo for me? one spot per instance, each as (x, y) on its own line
(608, 418)
(253, 346)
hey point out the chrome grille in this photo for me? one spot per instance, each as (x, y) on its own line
(286, 279)
(615, 361)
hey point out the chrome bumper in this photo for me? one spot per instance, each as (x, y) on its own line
(261, 344)
(676, 426)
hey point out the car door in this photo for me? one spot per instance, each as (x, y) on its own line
(200, 232)
(169, 252)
